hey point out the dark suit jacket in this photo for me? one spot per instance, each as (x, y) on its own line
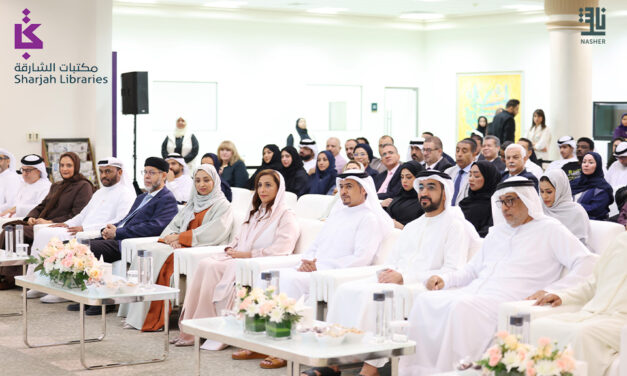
(393, 188)
(498, 163)
(151, 219)
(503, 126)
(442, 165)
(525, 174)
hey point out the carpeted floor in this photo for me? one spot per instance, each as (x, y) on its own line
(52, 322)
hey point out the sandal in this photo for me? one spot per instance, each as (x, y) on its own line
(184, 343)
(321, 371)
(244, 354)
(273, 363)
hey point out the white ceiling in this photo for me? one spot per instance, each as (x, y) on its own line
(377, 8)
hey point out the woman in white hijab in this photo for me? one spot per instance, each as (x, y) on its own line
(206, 219)
(181, 142)
(557, 202)
(270, 229)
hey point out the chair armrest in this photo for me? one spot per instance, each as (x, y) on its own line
(247, 270)
(623, 352)
(324, 283)
(128, 247)
(526, 307)
(87, 235)
(186, 261)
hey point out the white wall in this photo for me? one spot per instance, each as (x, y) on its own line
(261, 66)
(72, 31)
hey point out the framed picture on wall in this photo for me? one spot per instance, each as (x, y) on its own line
(481, 94)
(53, 148)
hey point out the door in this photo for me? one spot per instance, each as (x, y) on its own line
(401, 116)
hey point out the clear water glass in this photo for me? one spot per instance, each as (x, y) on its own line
(132, 276)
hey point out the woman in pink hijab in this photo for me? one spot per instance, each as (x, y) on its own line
(270, 229)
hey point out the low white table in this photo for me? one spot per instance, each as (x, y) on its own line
(93, 297)
(12, 261)
(294, 351)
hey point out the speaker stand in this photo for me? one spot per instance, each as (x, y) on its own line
(138, 190)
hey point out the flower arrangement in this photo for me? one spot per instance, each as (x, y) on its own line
(70, 265)
(277, 311)
(510, 357)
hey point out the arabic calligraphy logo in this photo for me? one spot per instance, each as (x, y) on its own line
(34, 42)
(595, 17)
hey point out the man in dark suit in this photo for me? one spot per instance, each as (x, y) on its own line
(388, 183)
(490, 152)
(434, 160)
(515, 162)
(503, 125)
(150, 214)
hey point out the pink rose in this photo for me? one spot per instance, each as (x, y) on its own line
(241, 293)
(544, 341)
(244, 305)
(495, 356)
(566, 363)
(502, 334)
(530, 370)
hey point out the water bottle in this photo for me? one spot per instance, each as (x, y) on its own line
(8, 241)
(266, 278)
(144, 267)
(274, 280)
(526, 328)
(379, 303)
(390, 312)
(19, 234)
(516, 326)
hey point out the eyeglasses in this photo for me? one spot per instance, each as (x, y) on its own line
(4, 158)
(150, 173)
(427, 150)
(27, 170)
(508, 202)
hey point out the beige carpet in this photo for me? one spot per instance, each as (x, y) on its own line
(52, 322)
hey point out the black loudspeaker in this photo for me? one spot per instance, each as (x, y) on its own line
(135, 93)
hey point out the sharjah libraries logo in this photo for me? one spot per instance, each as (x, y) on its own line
(595, 18)
(27, 30)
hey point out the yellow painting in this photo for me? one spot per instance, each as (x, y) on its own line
(481, 95)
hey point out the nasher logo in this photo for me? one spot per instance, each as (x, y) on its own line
(595, 18)
(33, 43)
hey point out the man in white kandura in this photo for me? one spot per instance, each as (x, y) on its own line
(593, 332)
(179, 180)
(109, 204)
(567, 147)
(350, 236)
(435, 243)
(524, 252)
(617, 173)
(33, 189)
(9, 180)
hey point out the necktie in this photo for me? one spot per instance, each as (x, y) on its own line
(144, 202)
(458, 181)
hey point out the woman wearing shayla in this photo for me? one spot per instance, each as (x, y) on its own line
(270, 229)
(181, 142)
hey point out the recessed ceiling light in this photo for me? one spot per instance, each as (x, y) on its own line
(327, 10)
(421, 16)
(226, 4)
(524, 7)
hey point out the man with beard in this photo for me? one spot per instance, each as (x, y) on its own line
(573, 169)
(109, 204)
(414, 150)
(148, 216)
(179, 181)
(349, 146)
(567, 146)
(308, 153)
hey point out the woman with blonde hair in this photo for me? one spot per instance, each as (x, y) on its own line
(181, 142)
(232, 168)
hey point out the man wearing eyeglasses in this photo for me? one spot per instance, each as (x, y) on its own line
(388, 183)
(432, 151)
(9, 180)
(33, 188)
(150, 214)
(523, 256)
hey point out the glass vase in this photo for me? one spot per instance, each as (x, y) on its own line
(255, 324)
(510, 373)
(279, 330)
